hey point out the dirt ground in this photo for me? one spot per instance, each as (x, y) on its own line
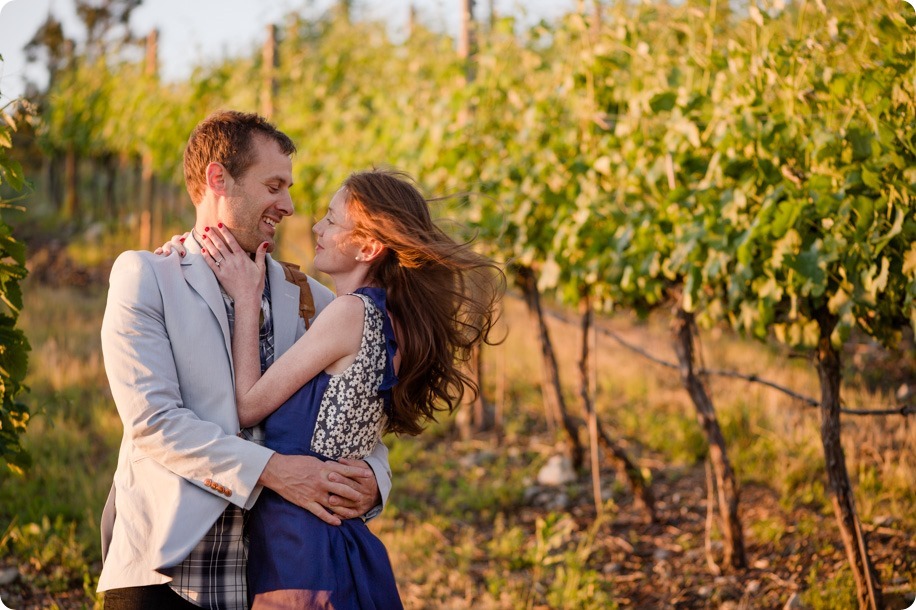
(651, 568)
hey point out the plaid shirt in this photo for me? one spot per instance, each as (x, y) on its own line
(213, 575)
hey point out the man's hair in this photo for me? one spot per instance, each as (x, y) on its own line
(227, 137)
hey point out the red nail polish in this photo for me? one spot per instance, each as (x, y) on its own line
(204, 250)
(206, 229)
(220, 225)
(182, 240)
(203, 237)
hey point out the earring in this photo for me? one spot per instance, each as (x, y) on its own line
(358, 257)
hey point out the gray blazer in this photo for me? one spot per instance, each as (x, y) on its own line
(168, 356)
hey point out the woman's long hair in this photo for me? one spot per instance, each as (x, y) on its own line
(441, 293)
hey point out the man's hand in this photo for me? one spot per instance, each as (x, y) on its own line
(349, 488)
(367, 487)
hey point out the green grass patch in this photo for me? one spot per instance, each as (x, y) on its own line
(837, 592)
(55, 557)
(770, 530)
(677, 436)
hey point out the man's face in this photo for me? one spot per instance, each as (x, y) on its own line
(260, 198)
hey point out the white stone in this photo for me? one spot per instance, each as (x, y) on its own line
(557, 471)
(8, 576)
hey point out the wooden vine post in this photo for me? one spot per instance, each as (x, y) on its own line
(473, 415)
(71, 183)
(411, 19)
(269, 72)
(588, 405)
(148, 213)
(615, 454)
(466, 38)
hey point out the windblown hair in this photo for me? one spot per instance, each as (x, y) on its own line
(441, 293)
(227, 137)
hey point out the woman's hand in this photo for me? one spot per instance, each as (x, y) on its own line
(176, 244)
(241, 277)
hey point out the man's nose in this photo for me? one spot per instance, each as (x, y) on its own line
(286, 206)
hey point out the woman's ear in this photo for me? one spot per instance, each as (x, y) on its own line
(218, 179)
(371, 250)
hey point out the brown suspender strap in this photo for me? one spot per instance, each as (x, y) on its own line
(306, 302)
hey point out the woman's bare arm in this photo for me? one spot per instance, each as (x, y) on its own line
(334, 337)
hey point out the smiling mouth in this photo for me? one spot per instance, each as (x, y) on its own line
(269, 221)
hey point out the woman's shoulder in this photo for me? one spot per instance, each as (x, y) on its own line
(347, 308)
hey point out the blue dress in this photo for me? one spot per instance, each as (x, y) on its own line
(330, 417)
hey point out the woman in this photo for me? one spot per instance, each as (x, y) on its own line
(384, 356)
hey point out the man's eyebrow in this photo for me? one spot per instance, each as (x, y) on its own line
(279, 179)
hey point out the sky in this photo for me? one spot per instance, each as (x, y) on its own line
(194, 31)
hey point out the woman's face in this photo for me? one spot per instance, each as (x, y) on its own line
(335, 249)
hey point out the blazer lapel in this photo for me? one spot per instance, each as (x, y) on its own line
(284, 306)
(201, 279)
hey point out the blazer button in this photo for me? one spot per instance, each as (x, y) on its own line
(208, 482)
(228, 493)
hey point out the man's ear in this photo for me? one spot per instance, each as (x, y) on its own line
(218, 179)
(371, 250)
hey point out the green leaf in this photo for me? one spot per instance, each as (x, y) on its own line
(603, 165)
(895, 230)
(909, 262)
(861, 143)
(786, 214)
(14, 175)
(874, 281)
(839, 302)
(839, 86)
(663, 102)
(11, 247)
(808, 265)
(871, 179)
(865, 214)
(550, 275)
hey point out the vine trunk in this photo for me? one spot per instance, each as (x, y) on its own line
(829, 374)
(726, 486)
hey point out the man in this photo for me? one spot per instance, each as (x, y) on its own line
(172, 526)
